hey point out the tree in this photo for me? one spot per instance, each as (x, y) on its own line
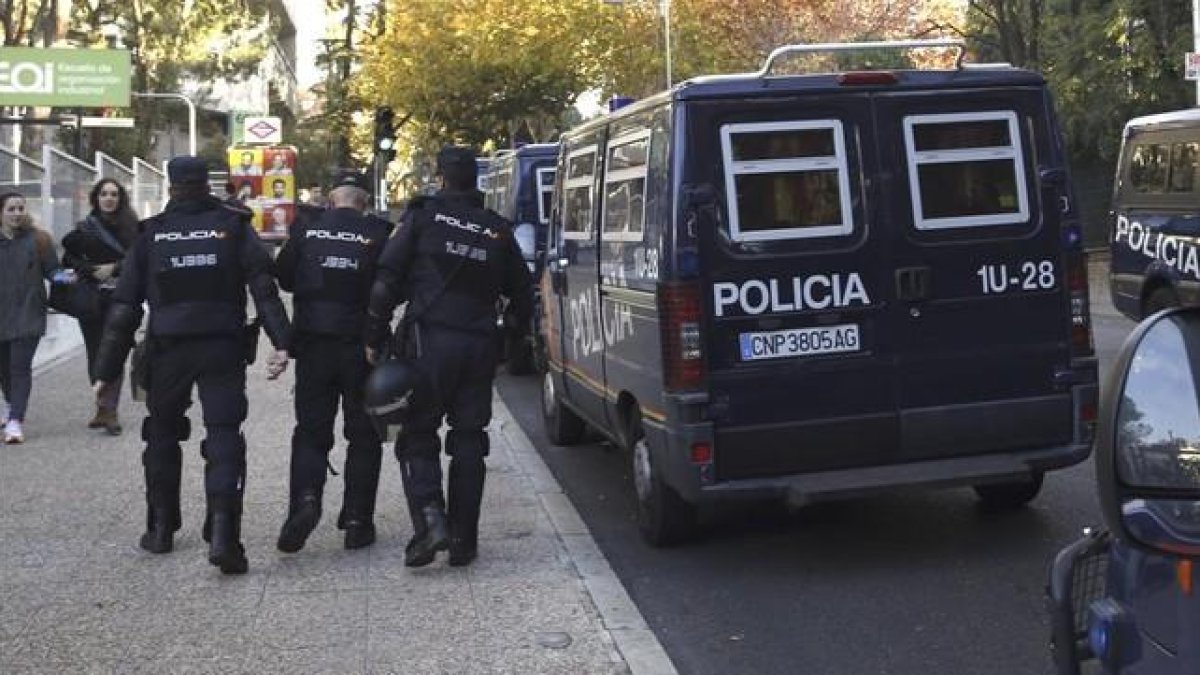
(474, 70)
(174, 42)
(27, 23)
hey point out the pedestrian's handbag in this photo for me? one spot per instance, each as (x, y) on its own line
(79, 299)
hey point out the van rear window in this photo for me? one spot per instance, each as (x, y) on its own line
(786, 180)
(966, 170)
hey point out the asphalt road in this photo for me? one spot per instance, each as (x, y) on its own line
(911, 583)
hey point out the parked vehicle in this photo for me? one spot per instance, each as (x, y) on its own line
(1130, 596)
(521, 183)
(1155, 215)
(822, 285)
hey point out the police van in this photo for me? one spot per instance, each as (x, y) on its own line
(520, 185)
(1155, 243)
(821, 285)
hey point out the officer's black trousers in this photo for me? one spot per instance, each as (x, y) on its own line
(215, 366)
(329, 369)
(460, 365)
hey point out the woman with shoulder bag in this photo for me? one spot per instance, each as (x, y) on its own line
(27, 260)
(95, 250)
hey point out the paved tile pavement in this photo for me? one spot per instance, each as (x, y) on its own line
(78, 595)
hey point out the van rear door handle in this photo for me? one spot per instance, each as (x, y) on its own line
(912, 283)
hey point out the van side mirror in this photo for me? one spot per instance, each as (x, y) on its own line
(1148, 447)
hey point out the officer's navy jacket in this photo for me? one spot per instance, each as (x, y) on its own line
(451, 260)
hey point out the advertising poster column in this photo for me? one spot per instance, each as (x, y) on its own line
(264, 180)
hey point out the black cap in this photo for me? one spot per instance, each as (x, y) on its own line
(455, 155)
(351, 178)
(457, 164)
(187, 169)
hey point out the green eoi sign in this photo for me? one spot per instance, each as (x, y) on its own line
(81, 78)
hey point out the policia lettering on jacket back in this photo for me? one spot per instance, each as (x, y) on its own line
(193, 265)
(810, 286)
(452, 260)
(328, 264)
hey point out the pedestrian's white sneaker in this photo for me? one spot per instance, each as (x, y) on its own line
(13, 432)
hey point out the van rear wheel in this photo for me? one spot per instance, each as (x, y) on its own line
(663, 517)
(563, 426)
(1009, 495)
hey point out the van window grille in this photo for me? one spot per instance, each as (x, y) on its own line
(625, 187)
(545, 188)
(966, 170)
(786, 180)
(1185, 166)
(577, 193)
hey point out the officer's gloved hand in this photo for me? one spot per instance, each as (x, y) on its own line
(277, 364)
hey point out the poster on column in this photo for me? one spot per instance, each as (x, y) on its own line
(264, 181)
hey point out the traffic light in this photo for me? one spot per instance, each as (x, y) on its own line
(385, 134)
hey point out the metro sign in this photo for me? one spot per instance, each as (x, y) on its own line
(262, 130)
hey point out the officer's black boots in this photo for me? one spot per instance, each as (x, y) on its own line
(360, 533)
(159, 530)
(432, 536)
(465, 492)
(226, 550)
(302, 520)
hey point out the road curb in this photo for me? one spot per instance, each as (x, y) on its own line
(622, 620)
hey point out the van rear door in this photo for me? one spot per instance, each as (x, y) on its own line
(981, 323)
(794, 273)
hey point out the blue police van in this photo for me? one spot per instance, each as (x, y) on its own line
(821, 285)
(1128, 597)
(1155, 242)
(520, 185)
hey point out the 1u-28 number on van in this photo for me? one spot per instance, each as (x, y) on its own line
(780, 344)
(1026, 276)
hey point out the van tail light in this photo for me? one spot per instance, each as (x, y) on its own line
(865, 78)
(1081, 315)
(682, 342)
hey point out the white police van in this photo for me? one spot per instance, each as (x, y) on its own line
(817, 286)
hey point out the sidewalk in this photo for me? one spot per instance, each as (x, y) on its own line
(78, 595)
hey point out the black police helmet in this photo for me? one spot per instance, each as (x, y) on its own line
(388, 395)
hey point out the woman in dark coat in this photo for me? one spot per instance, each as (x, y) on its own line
(95, 250)
(27, 260)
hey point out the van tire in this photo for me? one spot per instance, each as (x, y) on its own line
(1159, 299)
(563, 426)
(664, 518)
(1010, 495)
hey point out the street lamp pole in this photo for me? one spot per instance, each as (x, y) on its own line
(191, 113)
(1196, 39)
(666, 10)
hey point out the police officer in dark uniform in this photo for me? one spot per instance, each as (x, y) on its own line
(328, 263)
(192, 265)
(451, 259)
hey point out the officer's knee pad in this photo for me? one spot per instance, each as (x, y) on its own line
(467, 444)
(417, 445)
(181, 430)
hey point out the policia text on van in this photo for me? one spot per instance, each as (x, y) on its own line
(821, 285)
